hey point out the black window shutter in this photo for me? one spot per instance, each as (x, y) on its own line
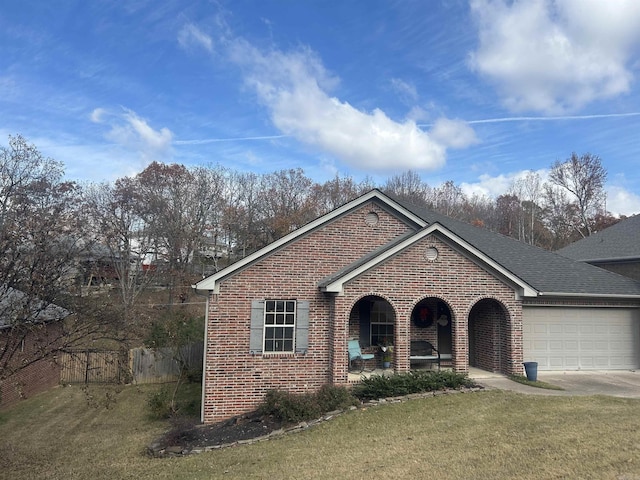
(302, 327)
(257, 327)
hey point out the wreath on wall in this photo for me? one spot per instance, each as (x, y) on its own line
(423, 317)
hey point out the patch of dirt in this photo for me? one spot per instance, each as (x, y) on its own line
(189, 434)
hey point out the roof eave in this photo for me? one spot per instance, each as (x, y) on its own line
(590, 295)
(611, 260)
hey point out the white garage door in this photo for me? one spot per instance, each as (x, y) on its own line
(561, 338)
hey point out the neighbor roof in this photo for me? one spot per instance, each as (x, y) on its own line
(617, 242)
(15, 303)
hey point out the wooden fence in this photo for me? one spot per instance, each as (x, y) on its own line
(139, 365)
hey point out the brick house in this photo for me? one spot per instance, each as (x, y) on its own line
(380, 270)
(26, 348)
(38, 376)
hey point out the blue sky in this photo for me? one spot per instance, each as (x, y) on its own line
(477, 91)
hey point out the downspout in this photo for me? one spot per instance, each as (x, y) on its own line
(204, 350)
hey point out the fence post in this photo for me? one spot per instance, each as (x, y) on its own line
(86, 368)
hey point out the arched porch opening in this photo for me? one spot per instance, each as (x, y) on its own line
(372, 321)
(431, 321)
(489, 346)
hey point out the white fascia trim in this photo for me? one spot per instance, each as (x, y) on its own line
(589, 295)
(212, 283)
(338, 285)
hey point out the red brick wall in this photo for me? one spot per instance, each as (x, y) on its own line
(236, 381)
(37, 377)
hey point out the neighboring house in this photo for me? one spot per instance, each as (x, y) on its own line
(383, 271)
(31, 340)
(616, 248)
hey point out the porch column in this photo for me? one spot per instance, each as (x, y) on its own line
(516, 354)
(401, 346)
(460, 342)
(337, 344)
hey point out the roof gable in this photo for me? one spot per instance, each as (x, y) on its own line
(212, 282)
(335, 284)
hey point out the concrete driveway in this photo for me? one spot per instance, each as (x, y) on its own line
(619, 383)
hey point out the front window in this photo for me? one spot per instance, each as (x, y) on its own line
(279, 325)
(381, 323)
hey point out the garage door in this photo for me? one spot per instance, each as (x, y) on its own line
(582, 338)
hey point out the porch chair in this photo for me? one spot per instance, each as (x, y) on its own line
(355, 353)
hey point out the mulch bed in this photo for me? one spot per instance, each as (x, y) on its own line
(188, 434)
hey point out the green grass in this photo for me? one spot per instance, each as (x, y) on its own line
(538, 384)
(491, 434)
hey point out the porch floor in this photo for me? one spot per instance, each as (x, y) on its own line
(474, 373)
(355, 377)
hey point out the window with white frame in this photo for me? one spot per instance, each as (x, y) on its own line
(279, 325)
(381, 316)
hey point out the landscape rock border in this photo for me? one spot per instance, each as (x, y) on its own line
(157, 450)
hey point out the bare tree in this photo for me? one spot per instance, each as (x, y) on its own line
(285, 202)
(176, 205)
(42, 234)
(242, 214)
(336, 192)
(583, 178)
(449, 199)
(530, 192)
(211, 186)
(409, 186)
(559, 216)
(116, 217)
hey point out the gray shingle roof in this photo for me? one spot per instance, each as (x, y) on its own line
(545, 271)
(14, 303)
(619, 241)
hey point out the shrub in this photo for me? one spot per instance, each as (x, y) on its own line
(378, 386)
(292, 407)
(332, 398)
(160, 404)
(169, 403)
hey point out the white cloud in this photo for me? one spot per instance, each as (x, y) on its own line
(97, 115)
(406, 90)
(493, 187)
(622, 202)
(133, 132)
(556, 56)
(295, 89)
(453, 133)
(191, 36)
(619, 200)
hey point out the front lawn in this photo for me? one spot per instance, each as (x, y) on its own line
(493, 434)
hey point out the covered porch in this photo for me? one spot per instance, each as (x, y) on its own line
(424, 338)
(374, 325)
